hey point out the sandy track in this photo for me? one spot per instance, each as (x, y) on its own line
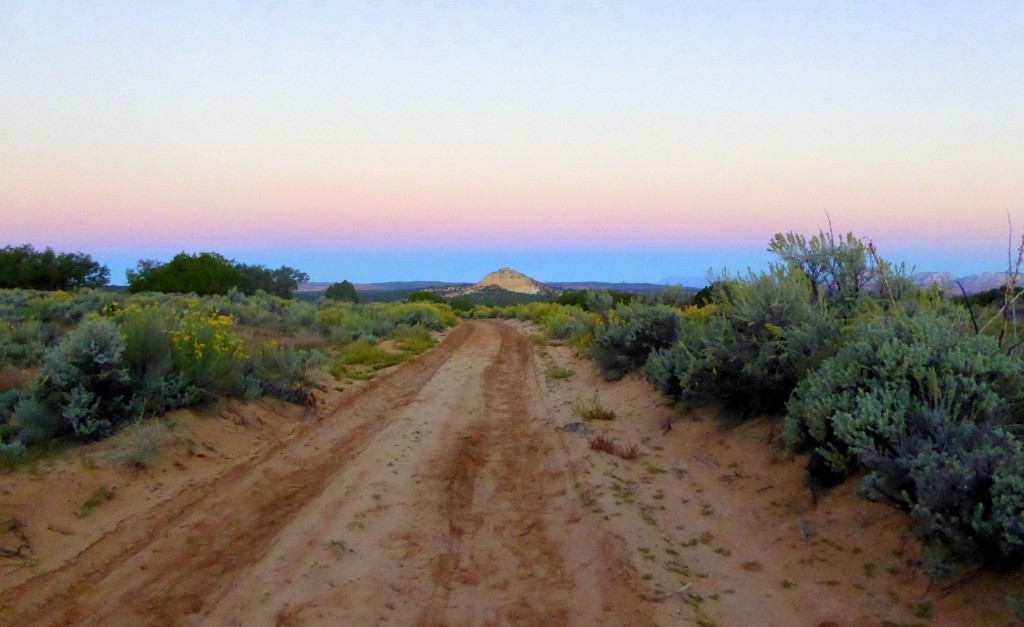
(460, 489)
(438, 495)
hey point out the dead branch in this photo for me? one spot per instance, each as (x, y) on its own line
(970, 309)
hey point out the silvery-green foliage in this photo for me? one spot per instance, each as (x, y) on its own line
(892, 370)
(84, 377)
(37, 420)
(765, 333)
(285, 372)
(598, 301)
(22, 343)
(630, 334)
(962, 481)
(569, 322)
(665, 366)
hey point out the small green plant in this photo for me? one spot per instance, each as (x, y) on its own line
(366, 353)
(591, 409)
(97, 498)
(787, 584)
(337, 544)
(413, 339)
(560, 372)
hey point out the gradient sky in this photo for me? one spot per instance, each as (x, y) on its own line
(570, 140)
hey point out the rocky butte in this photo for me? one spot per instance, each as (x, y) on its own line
(502, 279)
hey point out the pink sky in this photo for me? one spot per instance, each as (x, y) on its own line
(134, 131)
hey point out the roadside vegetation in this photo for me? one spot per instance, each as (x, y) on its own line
(81, 365)
(916, 395)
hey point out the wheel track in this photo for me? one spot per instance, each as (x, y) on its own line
(179, 556)
(506, 501)
(477, 523)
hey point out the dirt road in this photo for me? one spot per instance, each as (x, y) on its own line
(436, 496)
(460, 489)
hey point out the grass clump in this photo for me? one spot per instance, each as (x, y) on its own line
(560, 372)
(413, 339)
(365, 353)
(630, 452)
(591, 409)
(140, 442)
(100, 496)
(603, 444)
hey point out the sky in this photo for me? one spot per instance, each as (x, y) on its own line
(614, 141)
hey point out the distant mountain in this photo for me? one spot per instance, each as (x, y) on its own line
(973, 283)
(513, 281)
(509, 279)
(504, 279)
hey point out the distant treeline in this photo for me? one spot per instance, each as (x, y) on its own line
(25, 267)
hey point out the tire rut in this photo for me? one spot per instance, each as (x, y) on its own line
(507, 502)
(436, 495)
(177, 558)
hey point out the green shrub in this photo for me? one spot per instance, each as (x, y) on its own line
(925, 409)
(38, 421)
(461, 305)
(433, 316)
(424, 296)
(629, 335)
(22, 344)
(886, 379)
(286, 373)
(560, 372)
(566, 323)
(208, 352)
(83, 380)
(963, 483)
(747, 352)
(665, 366)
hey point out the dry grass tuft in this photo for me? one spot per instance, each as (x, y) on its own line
(601, 443)
(591, 409)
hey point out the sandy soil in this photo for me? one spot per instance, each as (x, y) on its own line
(460, 489)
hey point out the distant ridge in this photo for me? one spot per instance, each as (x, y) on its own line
(513, 281)
(386, 286)
(973, 283)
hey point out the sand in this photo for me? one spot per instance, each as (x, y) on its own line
(460, 489)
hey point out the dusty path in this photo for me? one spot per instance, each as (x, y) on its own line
(461, 489)
(436, 496)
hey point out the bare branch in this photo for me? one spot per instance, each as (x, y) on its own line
(970, 309)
